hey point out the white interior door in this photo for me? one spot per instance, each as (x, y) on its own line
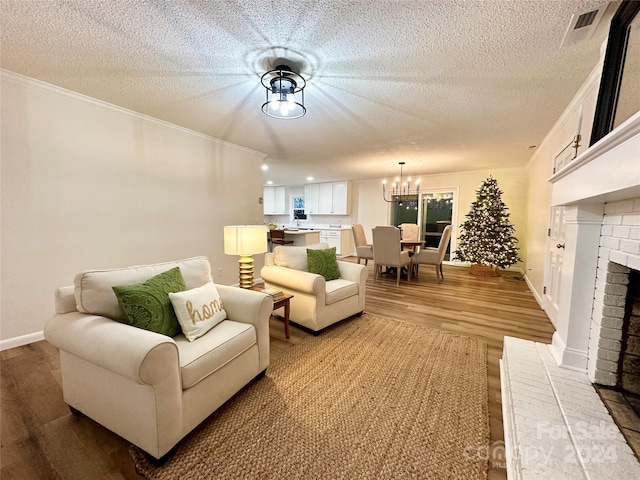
(555, 257)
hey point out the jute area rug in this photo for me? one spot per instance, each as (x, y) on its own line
(369, 398)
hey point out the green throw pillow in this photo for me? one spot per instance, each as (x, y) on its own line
(147, 305)
(324, 262)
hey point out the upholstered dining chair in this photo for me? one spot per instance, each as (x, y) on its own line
(387, 251)
(433, 256)
(411, 232)
(364, 250)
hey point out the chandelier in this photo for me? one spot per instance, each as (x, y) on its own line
(284, 93)
(400, 191)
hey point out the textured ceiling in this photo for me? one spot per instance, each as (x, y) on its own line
(445, 85)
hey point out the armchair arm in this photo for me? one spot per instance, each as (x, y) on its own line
(296, 280)
(252, 307)
(353, 271)
(140, 355)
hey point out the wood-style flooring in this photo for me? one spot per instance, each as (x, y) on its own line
(42, 440)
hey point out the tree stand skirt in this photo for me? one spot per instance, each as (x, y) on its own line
(480, 270)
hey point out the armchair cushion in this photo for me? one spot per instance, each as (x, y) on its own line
(323, 262)
(147, 305)
(198, 310)
(214, 350)
(427, 255)
(340, 289)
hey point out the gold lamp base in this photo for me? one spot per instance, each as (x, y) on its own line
(245, 265)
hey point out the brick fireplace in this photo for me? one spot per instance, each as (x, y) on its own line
(557, 425)
(618, 257)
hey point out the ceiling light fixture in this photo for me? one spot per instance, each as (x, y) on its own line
(285, 93)
(400, 189)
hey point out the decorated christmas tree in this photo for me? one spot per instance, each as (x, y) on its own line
(487, 233)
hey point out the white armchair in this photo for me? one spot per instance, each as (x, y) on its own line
(316, 303)
(152, 389)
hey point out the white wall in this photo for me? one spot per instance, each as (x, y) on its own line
(371, 209)
(577, 118)
(89, 185)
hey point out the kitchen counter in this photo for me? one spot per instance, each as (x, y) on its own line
(335, 235)
(302, 237)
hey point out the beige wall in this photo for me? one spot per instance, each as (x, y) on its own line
(88, 185)
(370, 209)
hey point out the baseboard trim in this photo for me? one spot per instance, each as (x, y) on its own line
(21, 340)
(567, 357)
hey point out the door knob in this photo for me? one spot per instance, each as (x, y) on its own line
(560, 245)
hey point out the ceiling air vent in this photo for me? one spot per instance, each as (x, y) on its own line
(583, 25)
(586, 19)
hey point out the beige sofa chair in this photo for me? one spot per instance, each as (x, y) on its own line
(364, 250)
(411, 232)
(149, 388)
(317, 303)
(433, 256)
(387, 251)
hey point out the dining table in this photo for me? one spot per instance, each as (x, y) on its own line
(405, 244)
(410, 244)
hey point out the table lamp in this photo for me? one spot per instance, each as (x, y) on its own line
(245, 240)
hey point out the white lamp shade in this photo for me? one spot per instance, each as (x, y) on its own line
(245, 239)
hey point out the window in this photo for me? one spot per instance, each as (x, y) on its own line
(437, 213)
(298, 208)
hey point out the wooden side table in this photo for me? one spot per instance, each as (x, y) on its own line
(279, 303)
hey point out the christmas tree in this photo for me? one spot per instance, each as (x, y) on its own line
(487, 233)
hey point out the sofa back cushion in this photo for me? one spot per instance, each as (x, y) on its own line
(94, 293)
(295, 257)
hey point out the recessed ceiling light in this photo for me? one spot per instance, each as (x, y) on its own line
(309, 178)
(265, 167)
(269, 182)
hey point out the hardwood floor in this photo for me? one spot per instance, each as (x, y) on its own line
(42, 440)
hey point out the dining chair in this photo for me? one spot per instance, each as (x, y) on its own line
(433, 256)
(411, 232)
(277, 238)
(388, 253)
(364, 250)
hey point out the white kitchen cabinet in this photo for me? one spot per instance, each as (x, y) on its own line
(342, 239)
(274, 201)
(331, 198)
(333, 239)
(325, 198)
(340, 198)
(311, 191)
